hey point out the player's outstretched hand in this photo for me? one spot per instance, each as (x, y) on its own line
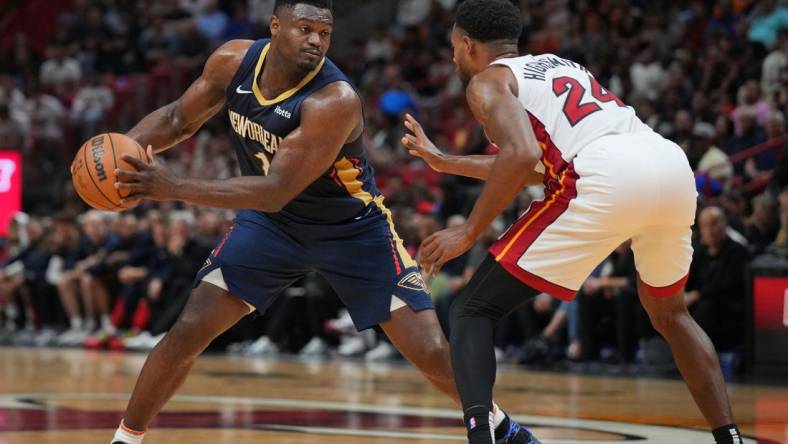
(442, 247)
(419, 145)
(150, 180)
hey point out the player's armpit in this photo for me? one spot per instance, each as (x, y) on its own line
(180, 119)
(492, 97)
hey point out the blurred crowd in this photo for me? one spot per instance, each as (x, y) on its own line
(710, 75)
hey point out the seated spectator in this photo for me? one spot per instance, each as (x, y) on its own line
(211, 20)
(77, 258)
(60, 72)
(713, 163)
(12, 135)
(780, 246)
(749, 135)
(762, 164)
(750, 100)
(90, 107)
(716, 282)
(157, 42)
(769, 18)
(761, 227)
(609, 310)
(774, 65)
(541, 321)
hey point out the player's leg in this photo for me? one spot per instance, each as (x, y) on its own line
(418, 336)
(209, 312)
(386, 288)
(694, 354)
(662, 257)
(491, 294)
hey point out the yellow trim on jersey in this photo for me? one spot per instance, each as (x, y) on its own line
(535, 216)
(407, 261)
(348, 175)
(287, 94)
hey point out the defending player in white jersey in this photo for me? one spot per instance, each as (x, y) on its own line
(608, 178)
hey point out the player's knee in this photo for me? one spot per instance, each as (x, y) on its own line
(667, 320)
(436, 348)
(458, 310)
(434, 359)
(183, 337)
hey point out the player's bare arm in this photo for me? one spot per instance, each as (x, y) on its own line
(492, 97)
(178, 120)
(329, 119)
(476, 166)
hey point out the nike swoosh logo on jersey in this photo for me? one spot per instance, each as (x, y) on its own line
(364, 215)
(241, 91)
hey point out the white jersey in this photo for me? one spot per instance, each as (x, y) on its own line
(568, 108)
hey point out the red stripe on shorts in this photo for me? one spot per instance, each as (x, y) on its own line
(511, 247)
(665, 292)
(396, 256)
(221, 244)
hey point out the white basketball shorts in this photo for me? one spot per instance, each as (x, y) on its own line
(630, 186)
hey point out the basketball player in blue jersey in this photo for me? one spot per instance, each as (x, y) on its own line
(307, 201)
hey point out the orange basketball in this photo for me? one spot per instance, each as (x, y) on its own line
(93, 169)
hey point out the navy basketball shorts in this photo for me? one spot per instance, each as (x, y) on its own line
(363, 261)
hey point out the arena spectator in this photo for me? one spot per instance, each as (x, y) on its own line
(606, 308)
(762, 226)
(716, 284)
(60, 71)
(774, 65)
(713, 163)
(90, 107)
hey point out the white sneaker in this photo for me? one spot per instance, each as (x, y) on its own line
(72, 337)
(45, 338)
(315, 347)
(343, 324)
(238, 348)
(135, 342)
(352, 346)
(152, 342)
(262, 347)
(383, 352)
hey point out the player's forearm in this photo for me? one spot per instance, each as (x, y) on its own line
(480, 166)
(505, 181)
(161, 129)
(237, 193)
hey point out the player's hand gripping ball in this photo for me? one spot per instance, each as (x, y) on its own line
(93, 170)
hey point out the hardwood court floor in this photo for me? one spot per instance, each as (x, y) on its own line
(57, 396)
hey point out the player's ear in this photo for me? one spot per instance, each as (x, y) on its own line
(274, 25)
(469, 45)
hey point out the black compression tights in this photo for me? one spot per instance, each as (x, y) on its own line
(491, 294)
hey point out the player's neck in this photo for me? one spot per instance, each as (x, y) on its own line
(278, 75)
(504, 53)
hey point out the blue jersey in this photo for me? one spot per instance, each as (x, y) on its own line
(345, 192)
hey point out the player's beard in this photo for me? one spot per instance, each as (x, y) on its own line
(306, 66)
(465, 78)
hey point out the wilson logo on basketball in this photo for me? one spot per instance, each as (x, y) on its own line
(97, 149)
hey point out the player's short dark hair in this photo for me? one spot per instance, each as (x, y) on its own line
(490, 20)
(322, 4)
